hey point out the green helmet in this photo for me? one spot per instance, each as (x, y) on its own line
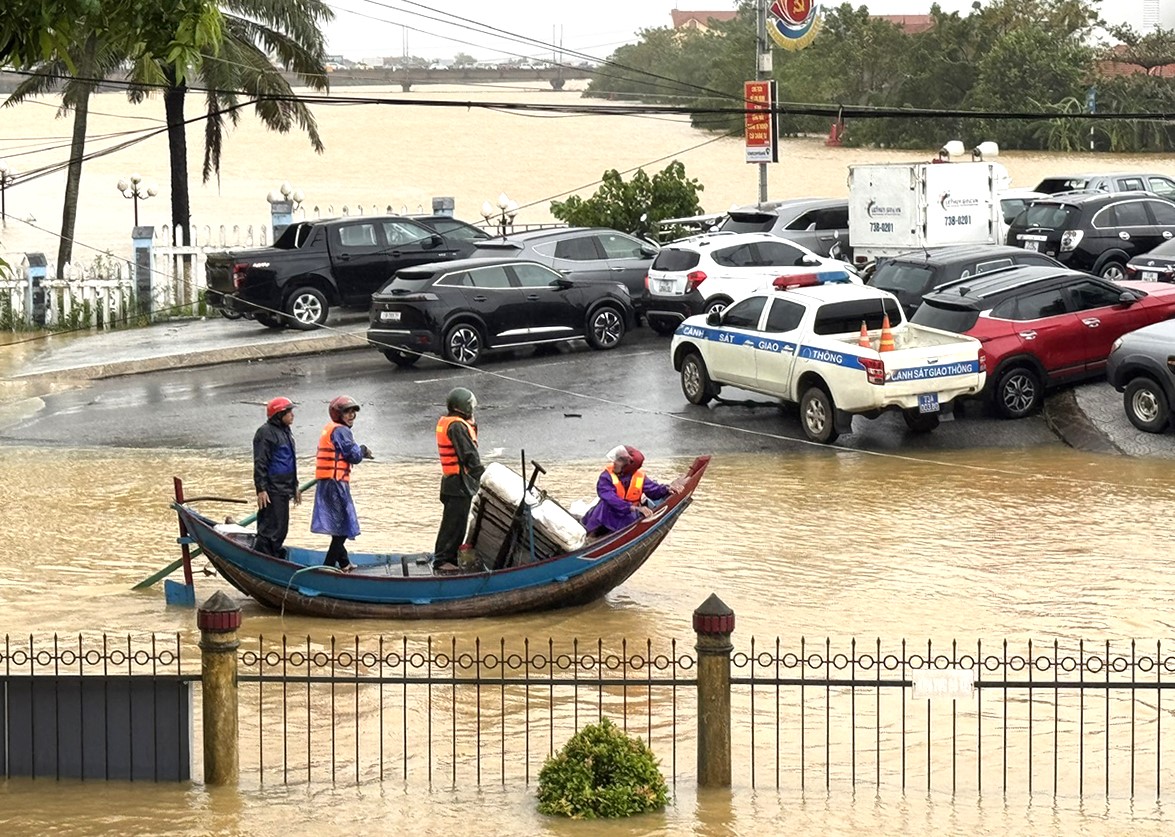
(461, 401)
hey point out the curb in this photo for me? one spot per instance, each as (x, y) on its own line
(1065, 417)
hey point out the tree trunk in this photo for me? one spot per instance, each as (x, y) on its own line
(177, 146)
(73, 179)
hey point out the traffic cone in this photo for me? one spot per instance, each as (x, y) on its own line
(887, 344)
(863, 340)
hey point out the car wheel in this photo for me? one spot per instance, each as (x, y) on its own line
(1146, 405)
(463, 344)
(662, 327)
(605, 328)
(1018, 392)
(306, 308)
(920, 422)
(230, 314)
(818, 416)
(718, 304)
(1113, 270)
(695, 380)
(269, 320)
(401, 358)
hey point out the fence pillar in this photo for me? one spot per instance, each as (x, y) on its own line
(442, 206)
(713, 624)
(142, 239)
(281, 215)
(218, 620)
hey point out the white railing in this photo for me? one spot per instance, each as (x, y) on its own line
(100, 295)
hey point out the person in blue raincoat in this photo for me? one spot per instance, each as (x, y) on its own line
(334, 510)
(622, 489)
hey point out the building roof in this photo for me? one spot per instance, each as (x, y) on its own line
(683, 19)
(910, 24)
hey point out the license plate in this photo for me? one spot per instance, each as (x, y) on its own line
(1150, 276)
(389, 316)
(928, 402)
(1032, 245)
(664, 286)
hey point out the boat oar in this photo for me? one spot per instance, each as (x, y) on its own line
(179, 562)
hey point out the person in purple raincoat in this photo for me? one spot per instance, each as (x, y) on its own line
(622, 487)
(334, 510)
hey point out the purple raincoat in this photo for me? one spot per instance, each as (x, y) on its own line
(614, 512)
(334, 510)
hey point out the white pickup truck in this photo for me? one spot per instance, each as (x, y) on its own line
(801, 345)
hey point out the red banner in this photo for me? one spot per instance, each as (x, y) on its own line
(761, 144)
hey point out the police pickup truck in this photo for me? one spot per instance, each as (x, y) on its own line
(801, 342)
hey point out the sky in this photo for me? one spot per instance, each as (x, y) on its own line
(372, 29)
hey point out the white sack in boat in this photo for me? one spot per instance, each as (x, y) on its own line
(549, 516)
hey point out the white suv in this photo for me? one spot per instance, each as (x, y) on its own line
(707, 272)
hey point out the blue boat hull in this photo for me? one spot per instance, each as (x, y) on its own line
(393, 586)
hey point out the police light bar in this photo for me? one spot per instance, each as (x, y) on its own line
(807, 280)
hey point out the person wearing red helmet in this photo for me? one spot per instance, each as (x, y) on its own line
(622, 489)
(275, 476)
(334, 510)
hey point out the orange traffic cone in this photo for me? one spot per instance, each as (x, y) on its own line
(887, 344)
(863, 340)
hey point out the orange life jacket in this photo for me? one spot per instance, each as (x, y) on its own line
(449, 462)
(636, 488)
(328, 465)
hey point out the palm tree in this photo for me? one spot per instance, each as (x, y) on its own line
(253, 30)
(93, 60)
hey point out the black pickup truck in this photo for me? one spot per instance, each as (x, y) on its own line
(315, 265)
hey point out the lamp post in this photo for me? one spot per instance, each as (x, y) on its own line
(7, 175)
(136, 190)
(282, 203)
(502, 215)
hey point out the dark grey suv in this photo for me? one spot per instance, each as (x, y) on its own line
(581, 253)
(820, 224)
(1142, 367)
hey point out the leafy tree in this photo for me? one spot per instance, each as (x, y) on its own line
(238, 66)
(32, 31)
(462, 60)
(636, 206)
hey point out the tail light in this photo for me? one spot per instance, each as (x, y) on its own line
(239, 271)
(982, 362)
(693, 279)
(874, 369)
(1070, 239)
(1130, 271)
(646, 281)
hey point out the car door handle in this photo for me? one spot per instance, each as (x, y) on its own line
(1125, 236)
(617, 269)
(344, 257)
(1167, 234)
(1028, 335)
(532, 297)
(1092, 322)
(480, 298)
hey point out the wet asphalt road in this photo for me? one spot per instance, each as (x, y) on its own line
(564, 404)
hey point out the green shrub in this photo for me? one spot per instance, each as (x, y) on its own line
(602, 772)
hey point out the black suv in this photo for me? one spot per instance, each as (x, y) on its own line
(909, 276)
(1097, 233)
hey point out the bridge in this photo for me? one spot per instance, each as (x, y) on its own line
(405, 77)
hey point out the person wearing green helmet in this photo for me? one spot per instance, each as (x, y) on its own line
(461, 471)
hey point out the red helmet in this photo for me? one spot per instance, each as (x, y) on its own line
(340, 404)
(278, 405)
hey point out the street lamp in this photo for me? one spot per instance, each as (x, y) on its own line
(7, 176)
(136, 190)
(287, 193)
(502, 215)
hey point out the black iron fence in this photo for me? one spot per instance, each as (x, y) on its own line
(1065, 719)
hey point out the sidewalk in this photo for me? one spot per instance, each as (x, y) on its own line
(182, 344)
(1089, 417)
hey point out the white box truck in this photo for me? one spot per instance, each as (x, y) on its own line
(895, 207)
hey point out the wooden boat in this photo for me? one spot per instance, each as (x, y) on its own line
(403, 586)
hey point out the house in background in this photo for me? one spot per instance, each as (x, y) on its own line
(699, 21)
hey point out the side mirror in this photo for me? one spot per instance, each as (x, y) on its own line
(432, 242)
(562, 283)
(714, 318)
(807, 259)
(648, 251)
(1127, 298)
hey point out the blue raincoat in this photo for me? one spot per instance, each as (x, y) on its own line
(334, 510)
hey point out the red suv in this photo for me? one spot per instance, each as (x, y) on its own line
(1042, 326)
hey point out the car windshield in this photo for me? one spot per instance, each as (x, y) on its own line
(846, 317)
(674, 259)
(1052, 185)
(945, 317)
(1166, 250)
(1047, 216)
(458, 230)
(409, 281)
(744, 222)
(896, 277)
(294, 236)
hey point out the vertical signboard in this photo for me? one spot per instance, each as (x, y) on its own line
(761, 141)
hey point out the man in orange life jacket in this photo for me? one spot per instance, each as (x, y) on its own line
(334, 510)
(461, 471)
(275, 476)
(622, 487)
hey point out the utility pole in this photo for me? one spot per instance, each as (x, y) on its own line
(763, 72)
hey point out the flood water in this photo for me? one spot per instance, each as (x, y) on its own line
(1041, 543)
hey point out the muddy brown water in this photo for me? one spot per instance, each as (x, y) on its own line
(1040, 543)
